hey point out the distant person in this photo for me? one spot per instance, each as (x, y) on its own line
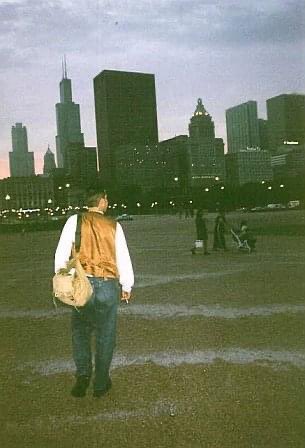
(105, 258)
(202, 232)
(247, 235)
(219, 232)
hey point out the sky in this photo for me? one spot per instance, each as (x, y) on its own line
(225, 52)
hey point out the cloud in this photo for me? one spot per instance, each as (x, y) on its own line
(225, 51)
(67, 26)
(212, 22)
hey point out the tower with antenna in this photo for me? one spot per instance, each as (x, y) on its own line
(65, 85)
(68, 123)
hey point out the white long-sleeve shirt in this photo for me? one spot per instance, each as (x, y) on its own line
(123, 261)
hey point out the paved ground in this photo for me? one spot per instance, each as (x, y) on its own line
(211, 353)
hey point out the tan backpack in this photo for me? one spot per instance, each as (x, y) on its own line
(73, 289)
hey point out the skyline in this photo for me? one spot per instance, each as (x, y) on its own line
(224, 54)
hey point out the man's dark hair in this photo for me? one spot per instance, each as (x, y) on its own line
(94, 197)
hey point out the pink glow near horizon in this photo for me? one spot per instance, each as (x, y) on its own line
(5, 171)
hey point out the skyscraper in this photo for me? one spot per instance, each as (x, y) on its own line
(204, 149)
(263, 134)
(242, 127)
(68, 123)
(21, 160)
(286, 119)
(126, 114)
(48, 162)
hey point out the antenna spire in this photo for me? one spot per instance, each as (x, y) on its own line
(65, 67)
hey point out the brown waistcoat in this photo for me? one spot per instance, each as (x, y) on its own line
(97, 249)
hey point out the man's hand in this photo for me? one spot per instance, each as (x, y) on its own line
(125, 297)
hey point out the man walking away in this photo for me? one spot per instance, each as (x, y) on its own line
(105, 258)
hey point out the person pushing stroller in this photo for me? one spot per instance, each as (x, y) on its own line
(247, 235)
(244, 237)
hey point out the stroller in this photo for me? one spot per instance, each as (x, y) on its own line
(245, 242)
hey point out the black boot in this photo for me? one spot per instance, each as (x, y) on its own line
(98, 393)
(80, 387)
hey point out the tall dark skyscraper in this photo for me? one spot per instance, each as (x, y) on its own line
(286, 120)
(126, 114)
(242, 127)
(21, 160)
(48, 162)
(68, 123)
(204, 148)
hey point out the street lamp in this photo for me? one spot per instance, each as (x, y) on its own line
(7, 198)
(49, 208)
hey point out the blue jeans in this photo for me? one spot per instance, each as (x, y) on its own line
(98, 317)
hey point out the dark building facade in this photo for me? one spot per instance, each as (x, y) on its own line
(83, 164)
(220, 158)
(139, 167)
(26, 192)
(21, 160)
(176, 163)
(263, 134)
(242, 127)
(286, 118)
(88, 167)
(289, 161)
(164, 167)
(249, 166)
(68, 124)
(126, 114)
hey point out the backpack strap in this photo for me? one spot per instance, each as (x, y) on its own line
(78, 232)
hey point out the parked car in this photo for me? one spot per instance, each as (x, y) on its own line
(257, 209)
(124, 217)
(293, 204)
(275, 207)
